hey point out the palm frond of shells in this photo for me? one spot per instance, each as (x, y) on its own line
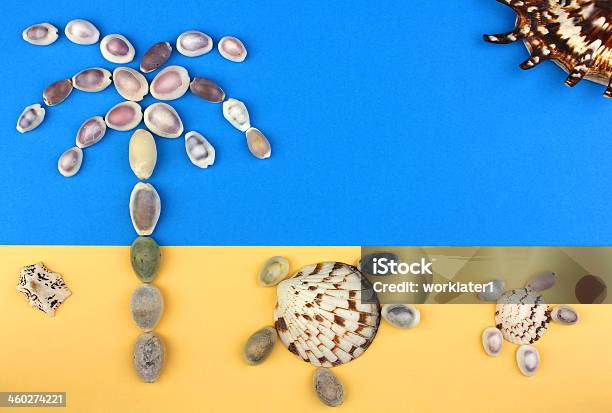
(320, 317)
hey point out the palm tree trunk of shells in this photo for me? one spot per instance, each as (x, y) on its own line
(147, 304)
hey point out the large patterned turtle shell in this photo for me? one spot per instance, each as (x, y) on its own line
(320, 317)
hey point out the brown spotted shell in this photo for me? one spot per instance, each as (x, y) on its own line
(522, 316)
(319, 315)
(575, 34)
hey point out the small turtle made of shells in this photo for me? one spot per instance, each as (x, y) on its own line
(575, 34)
(522, 317)
(323, 317)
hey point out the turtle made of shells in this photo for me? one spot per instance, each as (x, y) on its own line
(575, 34)
(326, 314)
(522, 317)
(320, 315)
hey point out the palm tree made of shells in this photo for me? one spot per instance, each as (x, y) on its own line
(161, 119)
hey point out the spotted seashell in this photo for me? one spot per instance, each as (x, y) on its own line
(43, 288)
(574, 34)
(522, 316)
(319, 315)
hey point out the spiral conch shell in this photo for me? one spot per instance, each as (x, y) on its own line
(320, 317)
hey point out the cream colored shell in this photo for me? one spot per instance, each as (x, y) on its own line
(142, 153)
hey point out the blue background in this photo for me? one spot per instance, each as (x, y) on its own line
(391, 123)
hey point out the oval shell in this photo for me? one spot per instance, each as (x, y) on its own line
(124, 116)
(130, 84)
(325, 298)
(564, 314)
(207, 90)
(156, 56)
(328, 388)
(527, 359)
(57, 92)
(91, 132)
(145, 207)
(591, 289)
(117, 49)
(522, 316)
(142, 154)
(259, 346)
(401, 315)
(30, 118)
(543, 281)
(145, 256)
(497, 290)
(148, 357)
(147, 306)
(162, 120)
(170, 83)
(81, 31)
(201, 153)
(492, 341)
(273, 271)
(93, 79)
(42, 34)
(70, 161)
(194, 43)
(237, 114)
(258, 143)
(232, 49)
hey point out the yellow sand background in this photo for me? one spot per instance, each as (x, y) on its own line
(213, 304)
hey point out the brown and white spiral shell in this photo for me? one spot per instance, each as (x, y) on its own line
(320, 317)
